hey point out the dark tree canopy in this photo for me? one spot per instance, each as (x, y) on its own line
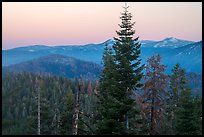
(120, 78)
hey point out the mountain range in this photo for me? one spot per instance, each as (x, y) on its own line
(85, 60)
(172, 51)
(58, 65)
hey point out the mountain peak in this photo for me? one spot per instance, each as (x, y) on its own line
(172, 42)
(172, 39)
(109, 41)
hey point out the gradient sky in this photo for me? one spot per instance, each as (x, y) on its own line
(59, 23)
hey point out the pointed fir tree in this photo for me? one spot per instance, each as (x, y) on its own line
(128, 65)
(178, 83)
(120, 78)
(187, 119)
(109, 108)
(127, 52)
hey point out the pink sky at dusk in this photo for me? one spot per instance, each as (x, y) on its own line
(75, 23)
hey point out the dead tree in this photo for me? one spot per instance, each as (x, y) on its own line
(38, 84)
(76, 111)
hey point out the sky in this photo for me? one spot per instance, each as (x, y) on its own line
(79, 23)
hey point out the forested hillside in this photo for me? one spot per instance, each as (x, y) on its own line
(58, 65)
(57, 103)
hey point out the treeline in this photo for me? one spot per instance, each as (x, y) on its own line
(20, 94)
(177, 112)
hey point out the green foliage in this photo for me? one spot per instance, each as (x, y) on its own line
(184, 114)
(183, 111)
(109, 107)
(120, 78)
(19, 104)
(197, 100)
(188, 120)
(66, 115)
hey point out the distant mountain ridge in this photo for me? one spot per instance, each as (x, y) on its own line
(169, 42)
(58, 65)
(69, 67)
(172, 50)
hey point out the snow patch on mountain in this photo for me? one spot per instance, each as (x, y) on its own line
(31, 50)
(172, 42)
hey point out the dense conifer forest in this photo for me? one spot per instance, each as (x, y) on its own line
(130, 98)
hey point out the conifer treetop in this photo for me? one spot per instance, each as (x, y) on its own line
(126, 7)
(126, 32)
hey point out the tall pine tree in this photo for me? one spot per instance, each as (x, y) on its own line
(177, 84)
(186, 108)
(128, 64)
(120, 78)
(108, 110)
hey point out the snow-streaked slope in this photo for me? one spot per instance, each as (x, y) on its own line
(172, 50)
(172, 42)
